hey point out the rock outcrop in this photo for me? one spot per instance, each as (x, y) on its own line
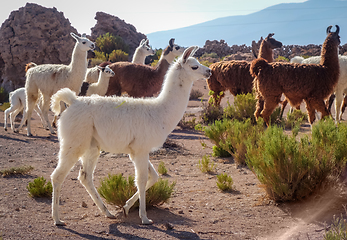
(33, 34)
(112, 24)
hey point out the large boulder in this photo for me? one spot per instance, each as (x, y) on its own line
(33, 34)
(114, 25)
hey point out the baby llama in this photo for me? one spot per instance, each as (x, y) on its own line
(134, 126)
(234, 75)
(47, 79)
(312, 83)
(142, 80)
(99, 87)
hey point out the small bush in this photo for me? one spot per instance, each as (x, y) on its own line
(292, 170)
(220, 152)
(39, 188)
(161, 168)
(206, 165)
(95, 62)
(232, 135)
(243, 108)
(16, 171)
(297, 116)
(211, 55)
(118, 56)
(195, 94)
(187, 124)
(224, 182)
(338, 229)
(281, 59)
(117, 190)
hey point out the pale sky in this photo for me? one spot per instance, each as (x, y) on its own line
(147, 16)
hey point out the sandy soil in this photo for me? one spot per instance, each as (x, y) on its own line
(197, 209)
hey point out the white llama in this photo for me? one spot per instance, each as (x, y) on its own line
(135, 126)
(47, 79)
(17, 101)
(141, 52)
(99, 87)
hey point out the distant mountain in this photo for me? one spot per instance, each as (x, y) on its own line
(293, 24)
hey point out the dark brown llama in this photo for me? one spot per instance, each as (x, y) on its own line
(312, 83)
(139, 80)
(234, 75)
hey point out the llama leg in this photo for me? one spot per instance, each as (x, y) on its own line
(15, 105)
(13, 116)
(45, 109)
(270, 104)
(152, 179)
(338, 104)
(284, 104)
(62, 108)
(89, 160)
(67, 159)
(141, 162)
(310, 111)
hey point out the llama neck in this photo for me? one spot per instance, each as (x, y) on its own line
(78, 63)
(265, 52)
(139, 56)
(329, 54)
(174, 97)
(102, 83)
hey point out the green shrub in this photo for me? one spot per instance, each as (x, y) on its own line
(195, 94)
(117, 190)
(206, 165)
(338, 229)
(224, 182)
(281, 59)
(39, 188)
(232, 135)
(297, 116)
(211, 55)
(118, 56)
(220, 152)
(187, 124)
(243, 108)
(161, 168)
(16, 171)
(292, 170)
(108, 42)
(95, 62)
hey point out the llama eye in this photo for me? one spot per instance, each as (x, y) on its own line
(83, 42)
(178, 47)
(195, 67)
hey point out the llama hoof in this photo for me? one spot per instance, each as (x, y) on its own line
(111, 216)
(5, 129)
(15, 130)
(147, 221)
(59, 223)
(29, 135)
(125, 211)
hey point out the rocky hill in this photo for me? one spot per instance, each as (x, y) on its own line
(42, 35)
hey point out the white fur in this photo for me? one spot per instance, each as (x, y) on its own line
(341, 86)
(17, 101)
(101, 86)
(141, 52)
(92, 75)
(47, 79)
(134, 126)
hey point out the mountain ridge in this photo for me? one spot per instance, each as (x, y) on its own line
(293, 24)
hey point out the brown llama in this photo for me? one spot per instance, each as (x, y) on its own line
(234, 75)
(139, 80)
(312, 83)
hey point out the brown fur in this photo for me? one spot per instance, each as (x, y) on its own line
(29, 65)
(234, 75)
(139, 80)
(309, 82)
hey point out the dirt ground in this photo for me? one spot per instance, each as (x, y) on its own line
(197, 209)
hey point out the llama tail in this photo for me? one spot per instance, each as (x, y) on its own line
(257, 65)
(65, 95)
(30, 65)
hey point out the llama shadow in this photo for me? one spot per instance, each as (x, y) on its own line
(82, 235)
(187, 134)
(14, 139)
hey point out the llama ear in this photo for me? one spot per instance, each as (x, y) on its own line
(74, 36)
(329, 29)
(84, 35)
(101, 69)
(188, 52)
(147, 41)
(171, 42)
(142, 41)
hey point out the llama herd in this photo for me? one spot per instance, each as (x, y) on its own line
(98, 117)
